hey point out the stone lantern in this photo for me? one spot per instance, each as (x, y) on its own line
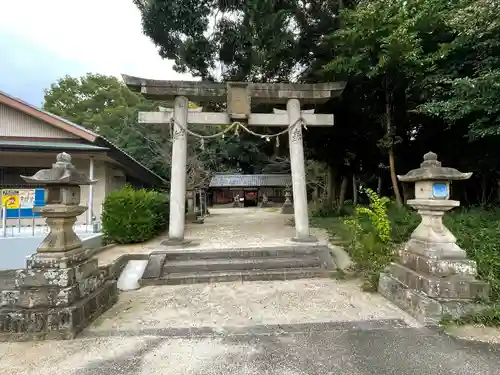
(432, 276)
(191, 209)
(265, 201)
(62, 206)
(61, 289)
(287, 208)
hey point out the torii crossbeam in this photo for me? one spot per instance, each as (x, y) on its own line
(239, 97)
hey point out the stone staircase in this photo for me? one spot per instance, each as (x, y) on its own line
(250, 264)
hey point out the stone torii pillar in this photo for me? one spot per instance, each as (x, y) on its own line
(239, 97)
(178, 172)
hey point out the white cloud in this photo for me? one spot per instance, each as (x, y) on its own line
(105, 36)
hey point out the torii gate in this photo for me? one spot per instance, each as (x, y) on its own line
(239, 97)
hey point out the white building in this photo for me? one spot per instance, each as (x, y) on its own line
(30, 139)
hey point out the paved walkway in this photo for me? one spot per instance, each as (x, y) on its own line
(306, 327)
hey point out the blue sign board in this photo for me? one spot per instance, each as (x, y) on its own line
(25, 210)
(440, 190)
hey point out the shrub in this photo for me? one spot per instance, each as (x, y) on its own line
(132, 216)
(370, 239)
(478, 232)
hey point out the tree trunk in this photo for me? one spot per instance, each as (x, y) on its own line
(343, 191)
(484, 199)
(354, 190)
(392, 163)
(331, 186)
(379, 185)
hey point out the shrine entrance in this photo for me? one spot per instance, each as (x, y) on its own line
(239, 96)
(250, 197)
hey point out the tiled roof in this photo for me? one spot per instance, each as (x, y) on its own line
(251, 180)
(50, 145)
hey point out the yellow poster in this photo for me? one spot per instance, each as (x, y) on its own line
(10, 198)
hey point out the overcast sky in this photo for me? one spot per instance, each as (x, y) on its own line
(43, 40)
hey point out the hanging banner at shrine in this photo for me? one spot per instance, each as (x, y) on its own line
(10, 199)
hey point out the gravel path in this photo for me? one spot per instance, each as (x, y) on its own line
(226, 228)
(246, 304)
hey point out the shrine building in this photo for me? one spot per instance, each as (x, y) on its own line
(30, 139)
(224, 188)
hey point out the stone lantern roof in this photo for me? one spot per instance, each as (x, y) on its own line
(431, 169)
(61, 173)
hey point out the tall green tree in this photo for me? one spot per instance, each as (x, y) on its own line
(105, 105)
(258, 40)
(381, 43)
(465, 82)
(422, 74)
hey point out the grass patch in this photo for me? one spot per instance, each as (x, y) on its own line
(272, 209)
(490, 316)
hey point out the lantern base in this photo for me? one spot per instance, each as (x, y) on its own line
(54, 298)
(287, 209)
(431, 288)
(191, 217)
(427, 310)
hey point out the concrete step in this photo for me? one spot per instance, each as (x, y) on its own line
(233, 275)
(235, 264)
(258, 252)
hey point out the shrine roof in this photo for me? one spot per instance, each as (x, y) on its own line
(251, 180)
(431, 170)
(199, 91)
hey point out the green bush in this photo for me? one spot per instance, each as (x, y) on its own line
(478, 232)
(132, 216)
(370, 245)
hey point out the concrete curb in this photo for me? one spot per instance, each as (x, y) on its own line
(340, 256)
(342, 259)
(113, 270)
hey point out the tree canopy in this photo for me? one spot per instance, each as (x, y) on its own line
(105, 105)
(421, 75)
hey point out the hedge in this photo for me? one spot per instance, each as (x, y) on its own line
(134, 215)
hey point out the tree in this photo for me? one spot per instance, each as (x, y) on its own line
(381, 42)
(236, 36)
(106, 106)
(465, 84)
(403, 60)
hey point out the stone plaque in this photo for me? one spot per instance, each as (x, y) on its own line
(238, 100)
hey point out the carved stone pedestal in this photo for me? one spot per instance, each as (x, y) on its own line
(432, 277)
(54, 297)
(61, 290)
